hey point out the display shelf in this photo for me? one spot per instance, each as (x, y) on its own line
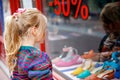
(65, 72)
(56, 76)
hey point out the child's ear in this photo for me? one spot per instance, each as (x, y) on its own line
(34, 31)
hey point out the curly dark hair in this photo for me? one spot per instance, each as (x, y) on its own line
(110, 16)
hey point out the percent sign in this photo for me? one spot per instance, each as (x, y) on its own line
(81, 8)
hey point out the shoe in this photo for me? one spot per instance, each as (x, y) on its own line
(73, 60)
(95, 66)
(66, 51)
(89, 55)
(57, 59)
(116, 60)
(92, 66)
(107, 68)
(117, 74)
(72, 51)
(77, 71)
(87, 64)
(101, 75)
(109, 76)
(93, 69)
(98, 64)
(115, 56)
(96, 69)
(105, 73)
(84, 74)
(92, 77)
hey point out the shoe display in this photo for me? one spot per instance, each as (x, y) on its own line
(101, 75)
(92, 77)
(84, 74)
(57, 59)
(117, 74)
(88, 55)
(65, 51)
(107, 70)
(87, 68)
(73, 60)
(87, 64)
(92, 66)
(98, 64)
(98, 73)
(95, 67)
(109, 76)
(77, 71)
(115, 57)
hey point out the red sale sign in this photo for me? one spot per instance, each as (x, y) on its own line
(64, 7)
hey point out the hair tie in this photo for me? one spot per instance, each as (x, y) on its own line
(19, 11)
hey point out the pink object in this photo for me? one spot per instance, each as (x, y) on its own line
(76, 59)
(19, 11)
(69, 51)
(66, 49)
(56, 60)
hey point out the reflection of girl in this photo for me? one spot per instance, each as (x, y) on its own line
(110, 17)
(22, 30)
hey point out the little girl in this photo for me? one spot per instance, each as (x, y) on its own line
(23, 30)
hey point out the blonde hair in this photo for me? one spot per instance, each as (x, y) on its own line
(16, 26)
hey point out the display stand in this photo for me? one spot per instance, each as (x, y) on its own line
(65, 72)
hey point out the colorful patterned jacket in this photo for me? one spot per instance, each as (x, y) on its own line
(32, 64)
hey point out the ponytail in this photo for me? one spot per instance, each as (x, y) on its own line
(17, 28)
(12, 41)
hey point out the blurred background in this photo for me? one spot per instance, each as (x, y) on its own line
(83, 35)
